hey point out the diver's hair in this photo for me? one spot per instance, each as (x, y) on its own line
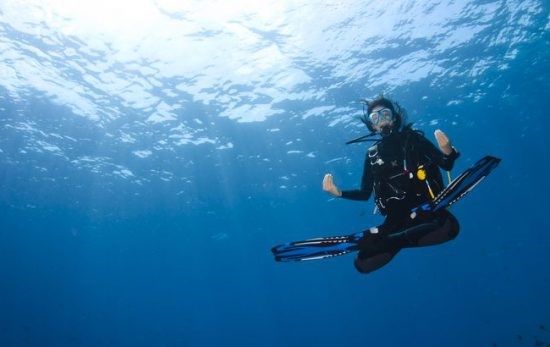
(381, 100)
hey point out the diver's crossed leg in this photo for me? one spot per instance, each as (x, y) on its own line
(447, 230)
(376, 250)
(441, 227)
(368, 263)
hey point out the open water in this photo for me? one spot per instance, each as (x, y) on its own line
(153, 151)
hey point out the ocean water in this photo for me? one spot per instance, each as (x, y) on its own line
(153, 151)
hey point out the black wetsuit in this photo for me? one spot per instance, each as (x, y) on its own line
(391, 167)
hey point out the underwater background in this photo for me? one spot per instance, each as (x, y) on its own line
(153, 151)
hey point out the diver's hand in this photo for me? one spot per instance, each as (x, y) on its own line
(443, 142)
(330, 187)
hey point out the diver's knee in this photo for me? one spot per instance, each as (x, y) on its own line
(362, 266)
(368, 264)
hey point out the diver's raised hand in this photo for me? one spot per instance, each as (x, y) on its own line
(330, 187)
(443, 142)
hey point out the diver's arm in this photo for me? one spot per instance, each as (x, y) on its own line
(357, 194)
(445, 156)
(366, 185)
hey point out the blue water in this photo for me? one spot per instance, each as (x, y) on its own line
(152, 152)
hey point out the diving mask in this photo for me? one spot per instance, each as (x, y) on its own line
(377, 117)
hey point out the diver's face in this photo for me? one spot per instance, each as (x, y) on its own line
(384, 120)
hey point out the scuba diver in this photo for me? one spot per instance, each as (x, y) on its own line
(402, 169)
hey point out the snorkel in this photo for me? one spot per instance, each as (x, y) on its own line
(386, 129)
